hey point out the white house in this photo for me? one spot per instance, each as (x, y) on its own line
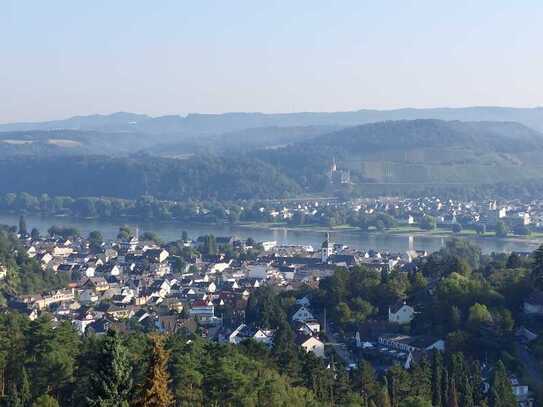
(310, 327)
(401, 313)
(311, 344)
(303, 314)
(244, 332)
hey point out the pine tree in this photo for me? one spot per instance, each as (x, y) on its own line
(452, 399)
(445, 387)
(421, 380)
(365, 382)
(477, 383)
(383, 398)
(437, 377)
(110, 382)
(466, 398)
(156, 392)
(461, 377)
(25, 393)
(501, 392)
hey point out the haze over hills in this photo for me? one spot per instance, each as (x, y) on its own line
(275, 162)
(228, 122)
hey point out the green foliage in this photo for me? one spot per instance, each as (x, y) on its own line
(24, 274)
(65, 232)
(203, 177)
(95, 240)
(501, 393)
(479, 315)
(45, 401)
(427, 223)
(110, 383)
(501, 229)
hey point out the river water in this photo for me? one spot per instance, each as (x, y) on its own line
(172, 231)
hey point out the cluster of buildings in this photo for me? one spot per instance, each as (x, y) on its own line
(138, 285)
(447, 212)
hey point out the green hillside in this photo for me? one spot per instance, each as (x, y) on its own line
(418, 151)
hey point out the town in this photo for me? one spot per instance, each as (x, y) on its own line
(213, 286)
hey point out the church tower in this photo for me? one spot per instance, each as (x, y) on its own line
(327, 249)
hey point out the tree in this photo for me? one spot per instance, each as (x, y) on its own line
(22, 226)
(501, 392)
(125, 233)
(416, 401)
(501, 229)
(437, 377)
(35, 234)
(514, 261)
(152, 236)
(95, 240)
(365, 381)
(383, 397)
(111, 381)
(537, 268)
(210, 245)
(522, 230)
(455, 317)
(428, 222)
(45, 401)
(452, 396)
(156, 392)
(478, 315)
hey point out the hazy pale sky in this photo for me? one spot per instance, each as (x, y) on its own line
(63, 57)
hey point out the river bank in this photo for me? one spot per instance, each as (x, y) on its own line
(398, 241)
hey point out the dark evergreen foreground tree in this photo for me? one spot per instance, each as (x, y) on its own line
(111, 381)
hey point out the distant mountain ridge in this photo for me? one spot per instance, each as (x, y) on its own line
(228, 122)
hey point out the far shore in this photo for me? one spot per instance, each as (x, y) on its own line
(401, 230)
(535, 238)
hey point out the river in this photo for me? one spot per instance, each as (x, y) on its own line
(172, 231)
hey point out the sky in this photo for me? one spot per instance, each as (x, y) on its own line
(61, 58)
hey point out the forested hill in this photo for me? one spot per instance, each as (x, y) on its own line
(391, 155)
(408, 134)
(201, 178)
(416, 152)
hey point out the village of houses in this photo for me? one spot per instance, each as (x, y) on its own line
(130, 284)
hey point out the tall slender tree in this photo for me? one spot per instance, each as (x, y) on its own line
(22, 226)
(537, 269)
(452, 399)
(437, 377)
(501, 392)
(156, 391)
